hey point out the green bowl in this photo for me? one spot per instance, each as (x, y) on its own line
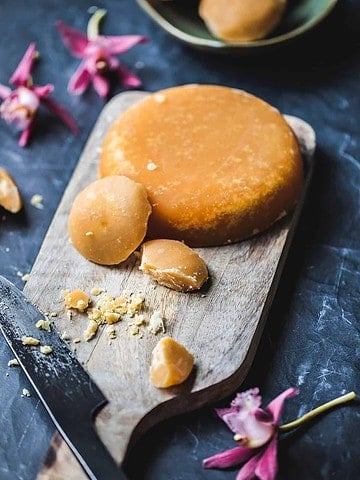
(180, 19)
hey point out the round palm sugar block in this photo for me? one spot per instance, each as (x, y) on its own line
(108, 219)
(241, 20)
(218, 164)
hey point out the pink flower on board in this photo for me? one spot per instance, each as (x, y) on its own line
(256, 430)
(97, 54)
(20, 105)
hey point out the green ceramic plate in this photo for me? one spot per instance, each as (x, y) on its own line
(180, 19)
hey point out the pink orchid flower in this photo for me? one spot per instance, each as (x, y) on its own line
(97, 54)
(256, 430)
(20, 106)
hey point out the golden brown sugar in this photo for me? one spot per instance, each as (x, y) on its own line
(9, 194)
(171, 363)
(108, 219)
(76, 299)
(227, 163)
(173, 264)
(241, 20)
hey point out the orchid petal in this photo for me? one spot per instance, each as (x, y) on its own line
(25, 136)
(229, 458)
(250, 431)
(80, 80)
(22, 73)
(247, 472)
(74, 40)
(101, 85)
(223, 412)
(128, 78)
(247, 400)
(267, 466)
(119, 44)
(276, 406)
(43, 91)
(263, 416)
(4, 91)
(62, 113)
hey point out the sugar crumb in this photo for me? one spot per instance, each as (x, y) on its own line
(13, 363)
(30, 341)
(46, 349)
(96, 291)
(36, 201)
(43, 325)
(90, 331)
(156, 323)
(65, 336)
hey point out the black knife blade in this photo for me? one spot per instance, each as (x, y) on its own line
(68, 393)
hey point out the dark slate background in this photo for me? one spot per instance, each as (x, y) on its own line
(312, 336)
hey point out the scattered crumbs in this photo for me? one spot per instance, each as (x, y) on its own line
(89, 234)
(53, 314)
(36, 201)
(156, 323)
(151, 166)
(65, 336)
(111, 332)
(96, 291)
(6, 374)
(46, 349)
(25, 393)
(94, 314)
(139, 319)
(13, 363)
(7, 249)
(106, 310)
(203, 295)
(19, 274)
(31, 341)
(134, 330)
(43, 325)
(111, 317)
(135, 304)
(91, 330)
(25, 277)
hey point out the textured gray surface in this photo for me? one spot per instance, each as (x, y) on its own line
(312, 337)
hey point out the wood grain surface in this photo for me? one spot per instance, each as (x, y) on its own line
(221, 324)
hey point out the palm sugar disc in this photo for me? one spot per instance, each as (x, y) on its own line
(219, 164)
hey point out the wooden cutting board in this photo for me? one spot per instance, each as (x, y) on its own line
(221, 325)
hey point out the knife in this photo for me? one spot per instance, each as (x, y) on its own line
(69, 395)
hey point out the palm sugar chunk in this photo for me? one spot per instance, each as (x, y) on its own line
(108, 219)
(173, 264)
(171, 363)
(10, 197)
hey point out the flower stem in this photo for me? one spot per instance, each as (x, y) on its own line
(93, 25)
(317, 411)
